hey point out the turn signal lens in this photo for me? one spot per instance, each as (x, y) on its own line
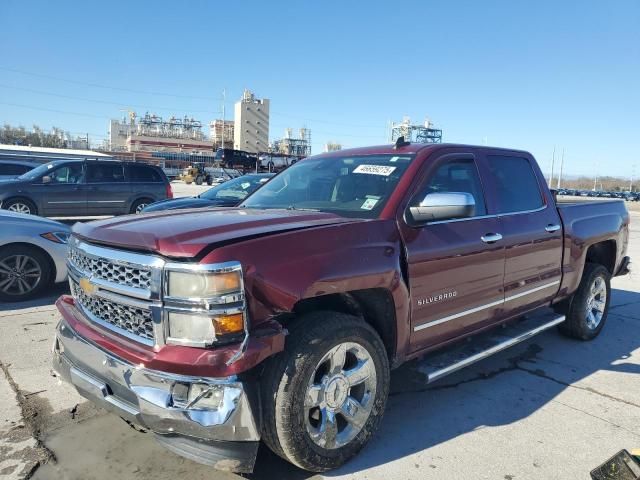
(224, 324)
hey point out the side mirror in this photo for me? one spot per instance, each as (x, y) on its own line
(46, 179)
(444, 206)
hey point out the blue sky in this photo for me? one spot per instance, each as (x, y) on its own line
(531, 75)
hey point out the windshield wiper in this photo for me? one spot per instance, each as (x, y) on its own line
(293, 207)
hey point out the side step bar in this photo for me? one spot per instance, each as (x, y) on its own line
(486, 344)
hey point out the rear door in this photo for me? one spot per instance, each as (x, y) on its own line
(455, 278)
(531, 230)
(107, 191)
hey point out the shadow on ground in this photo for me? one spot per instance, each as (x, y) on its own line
(48, 299)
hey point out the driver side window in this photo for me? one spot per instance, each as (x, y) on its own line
(456, 176)
(67, 174)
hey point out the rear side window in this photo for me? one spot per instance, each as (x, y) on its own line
(13, 169)
(144, 173)
(457, 176)
(517, 186)
(105, 173)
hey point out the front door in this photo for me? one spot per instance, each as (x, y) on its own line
(456, 266)
(62, 192)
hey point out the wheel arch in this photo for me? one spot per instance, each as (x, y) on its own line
(374, 305)
(603, 253)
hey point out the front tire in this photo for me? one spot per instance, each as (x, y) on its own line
(21, 205)
(588, 309)
(325, 394)
(24, 273)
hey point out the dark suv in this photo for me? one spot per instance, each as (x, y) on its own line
(85, 188)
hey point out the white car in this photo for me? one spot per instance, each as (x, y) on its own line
(33, 253)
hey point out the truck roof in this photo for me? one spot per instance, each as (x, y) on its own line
(410, 148)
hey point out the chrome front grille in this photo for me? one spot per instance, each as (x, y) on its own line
(111, 271)
(117, 289)
(135, 320)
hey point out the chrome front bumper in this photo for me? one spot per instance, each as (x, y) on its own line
(145, 397)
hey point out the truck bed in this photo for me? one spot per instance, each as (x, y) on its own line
(589, 222)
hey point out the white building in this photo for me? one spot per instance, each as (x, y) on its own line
(251, 128)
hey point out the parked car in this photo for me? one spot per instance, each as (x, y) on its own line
(85, 188)
(10, 169)
(279, 320)
(33, 252)
(227, 194)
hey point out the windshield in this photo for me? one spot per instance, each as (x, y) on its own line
(356, 186)
(38, 171)
(236, 189)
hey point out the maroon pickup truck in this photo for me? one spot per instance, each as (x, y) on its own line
(279, 320)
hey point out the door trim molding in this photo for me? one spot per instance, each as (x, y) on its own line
(448, 318)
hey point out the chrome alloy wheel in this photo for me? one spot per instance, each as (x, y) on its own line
(19, 275)
(140, 207)
(340, 395)
(19, 207)
(596, 302)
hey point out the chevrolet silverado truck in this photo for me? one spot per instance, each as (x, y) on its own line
(279, 320)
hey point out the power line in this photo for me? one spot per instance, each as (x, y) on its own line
(97, 85)
(54, 110)
(118, 104)
(122, 89)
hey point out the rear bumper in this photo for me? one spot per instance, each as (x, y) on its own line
(225, 436)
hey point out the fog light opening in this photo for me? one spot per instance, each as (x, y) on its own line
(197, 396)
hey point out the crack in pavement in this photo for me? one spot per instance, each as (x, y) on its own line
(28, 414)
(529, 355)
(635, 434)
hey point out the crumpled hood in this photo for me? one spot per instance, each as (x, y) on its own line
(185, 233)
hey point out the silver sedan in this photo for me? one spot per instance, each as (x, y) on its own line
(33, 253)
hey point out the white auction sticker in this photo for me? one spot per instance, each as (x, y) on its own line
(374, 170)
(369, 203)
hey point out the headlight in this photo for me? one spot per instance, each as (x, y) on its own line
(200, 329)
(203, 284)
(56, 237)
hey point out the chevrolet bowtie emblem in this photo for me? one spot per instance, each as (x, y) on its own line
(88, 287)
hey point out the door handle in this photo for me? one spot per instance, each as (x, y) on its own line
(491, 237)
(552, 228)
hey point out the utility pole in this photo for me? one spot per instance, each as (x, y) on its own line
(553, 161)
(561, 166)
(224, 94)
(633, 171)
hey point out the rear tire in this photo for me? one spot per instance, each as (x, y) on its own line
(24, 272)
(325, 394)
(209, 181)
(20, 205)
(588, 309)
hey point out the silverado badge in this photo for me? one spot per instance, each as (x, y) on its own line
(88, 287)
